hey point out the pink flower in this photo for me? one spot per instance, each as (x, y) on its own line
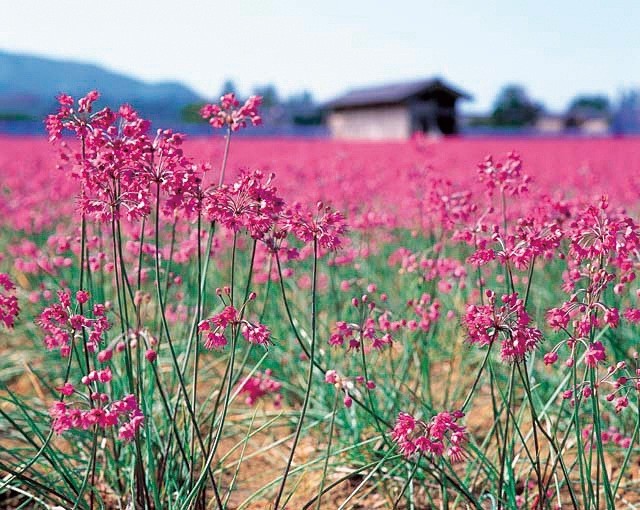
(9, 308)
(596, 234)
(632, 315)
(595, 353)
(621, 403)
(66, 389)
(214, 329)
(229, 112)
(508, 322)
(612, 317)
(214, 340)
(624, 443)
(443, 204)
(402, 431)
(105, 355)
(331, 377)
(134, 418)
(558, 318)
(125, 412)
(226, 317)
(81, 120)
(341, 332)
(261, 385)
(504, 176)
(82, 296)
(251, 203)
(326, 226)
(59, 324)
(442, 435)
(257, 334)
(481, 257)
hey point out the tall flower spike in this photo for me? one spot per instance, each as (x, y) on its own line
(250, 203)
(508, 322)
(80, 120)
(326, 226)
(229, 113)
(505, 176)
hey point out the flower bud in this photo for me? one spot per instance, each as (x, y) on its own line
(151, 355)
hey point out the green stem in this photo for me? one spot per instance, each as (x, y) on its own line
(505, 443)
(326, 460)
(599, 445)
(174, 356)
(406, 484)
(309, 376)
(196, 354)
(534, 421)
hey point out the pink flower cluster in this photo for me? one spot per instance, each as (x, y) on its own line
(119, 165)
(81, 120)
(450, 273)
(9, 308)
(215, 326)
(61, 323)
(251, 203)
(619, 377)
(611, 435)
(507, 321)
(261, 385)
(229, 112)
(441, 204)
(596, 234)
(256, 334)
(504, 177)
(582, 317)
(214, 329)
(373, 330)
(325, 226)
(124, 413)
(602, 258)
(353, 335)
(595, 354)
(530, 238)
(440, 436)
(427, 311)
(122, 170)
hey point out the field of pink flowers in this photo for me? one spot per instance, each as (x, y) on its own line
(231, 322)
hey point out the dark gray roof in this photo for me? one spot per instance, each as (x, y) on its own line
(392, 93)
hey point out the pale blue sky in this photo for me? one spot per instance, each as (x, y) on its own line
(555, 48)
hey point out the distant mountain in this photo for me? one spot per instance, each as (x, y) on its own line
(29, 85)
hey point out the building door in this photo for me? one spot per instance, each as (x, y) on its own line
(447, 124)
(424, 125)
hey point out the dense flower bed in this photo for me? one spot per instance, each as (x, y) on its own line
(424, 285)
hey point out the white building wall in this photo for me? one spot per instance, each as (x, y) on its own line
(595, 127)
(382, 123)
(550, 125)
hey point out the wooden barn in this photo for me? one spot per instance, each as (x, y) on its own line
(395, 111)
